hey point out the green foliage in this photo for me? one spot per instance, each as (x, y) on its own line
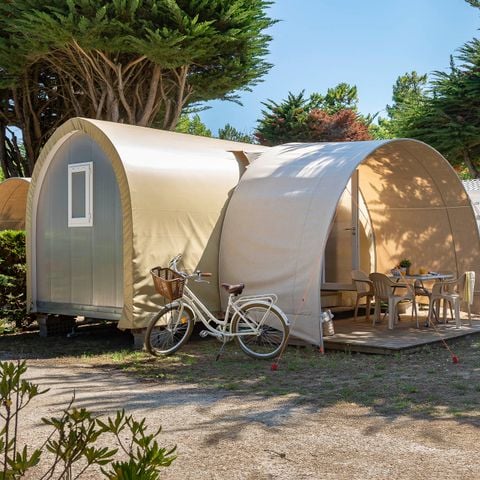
(12, 276)
(15, 394)
(145, 456)
(329, 117)
(448, 115)
(228, 132)
(193, 126)
(134, 61)
(409, 97)
(450, 120)
(341, 97)
(444, 113)
(74, 438)
(286, 121)
(474, 3)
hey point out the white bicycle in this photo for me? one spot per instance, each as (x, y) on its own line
(259, 326)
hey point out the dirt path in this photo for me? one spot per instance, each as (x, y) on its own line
(223, 436)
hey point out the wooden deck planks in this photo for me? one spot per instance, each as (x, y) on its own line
(361, 336)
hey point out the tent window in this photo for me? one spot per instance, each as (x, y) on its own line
(80, 195)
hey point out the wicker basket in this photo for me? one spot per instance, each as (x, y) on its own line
(168, 283)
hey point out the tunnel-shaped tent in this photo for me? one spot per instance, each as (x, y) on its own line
(110, 201)
(13, 202)
(280, 217)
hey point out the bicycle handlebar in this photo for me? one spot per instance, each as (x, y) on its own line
(198, 274)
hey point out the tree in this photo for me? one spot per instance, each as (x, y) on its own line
(318, 118)
(446, 114)
(342, 126)
(409, 95)
(450, 119)
(193, 126)
(231, 133)
(133, 61)
(341, 97)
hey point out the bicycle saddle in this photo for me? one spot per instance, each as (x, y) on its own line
(234, 289)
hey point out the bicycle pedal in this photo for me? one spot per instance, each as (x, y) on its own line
(204, 333)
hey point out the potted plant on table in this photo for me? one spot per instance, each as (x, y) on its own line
(405, 265)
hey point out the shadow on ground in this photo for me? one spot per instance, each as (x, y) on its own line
(425, 385)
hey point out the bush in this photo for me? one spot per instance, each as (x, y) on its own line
(74, 440)
(13, 282)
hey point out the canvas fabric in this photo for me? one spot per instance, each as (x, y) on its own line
(279, 219)
(173, 191)
(13, 203)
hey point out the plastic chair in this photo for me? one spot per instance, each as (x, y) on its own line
(421, 290)
(364, 288)
(453, 292)
(384, 289)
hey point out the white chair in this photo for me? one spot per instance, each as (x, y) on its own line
(385, 289)
(453, 293)
(364, 288)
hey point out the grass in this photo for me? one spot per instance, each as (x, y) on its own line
(426, 383)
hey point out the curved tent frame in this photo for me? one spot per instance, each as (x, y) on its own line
(278, 221)
(13, 203)
(173, 190)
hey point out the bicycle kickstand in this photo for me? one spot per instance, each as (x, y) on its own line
(217, 358)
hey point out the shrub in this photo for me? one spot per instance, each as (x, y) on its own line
(13, 284)
(74, 439)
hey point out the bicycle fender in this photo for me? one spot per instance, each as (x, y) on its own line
(268, 305)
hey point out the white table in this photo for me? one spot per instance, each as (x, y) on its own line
(425, 277)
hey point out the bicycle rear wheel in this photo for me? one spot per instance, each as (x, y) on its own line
(169, 330)
(272, 334)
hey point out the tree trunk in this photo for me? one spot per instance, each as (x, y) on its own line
(3, 150)
(472, 168)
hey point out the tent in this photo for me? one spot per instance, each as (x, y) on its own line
(13, 201)
(472, 187)
(110, 201)
(304, 215)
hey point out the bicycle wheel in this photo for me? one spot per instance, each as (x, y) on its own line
(169, 330)
(273, 332)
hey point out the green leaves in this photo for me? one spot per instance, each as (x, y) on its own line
(140, 62)
(15, 394)
(12, 276)
(74, 440)
(145, 457)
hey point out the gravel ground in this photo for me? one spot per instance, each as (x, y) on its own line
(221, 435)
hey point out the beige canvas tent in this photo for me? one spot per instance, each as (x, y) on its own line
(108, 202)
(304, 215)
(13, 201)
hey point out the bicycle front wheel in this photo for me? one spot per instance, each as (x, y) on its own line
(169, 330)
(262, 333)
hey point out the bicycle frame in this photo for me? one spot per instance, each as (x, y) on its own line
(222, 328)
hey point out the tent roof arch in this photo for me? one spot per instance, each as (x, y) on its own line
(278, 221)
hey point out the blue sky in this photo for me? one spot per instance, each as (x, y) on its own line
(369, 43)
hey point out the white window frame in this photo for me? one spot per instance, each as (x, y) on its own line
(87, 220)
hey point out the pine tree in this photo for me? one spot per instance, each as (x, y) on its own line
(228, 132)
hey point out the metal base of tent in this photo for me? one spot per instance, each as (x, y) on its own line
(361, 336)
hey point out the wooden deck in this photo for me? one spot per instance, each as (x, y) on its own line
(361, 336)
